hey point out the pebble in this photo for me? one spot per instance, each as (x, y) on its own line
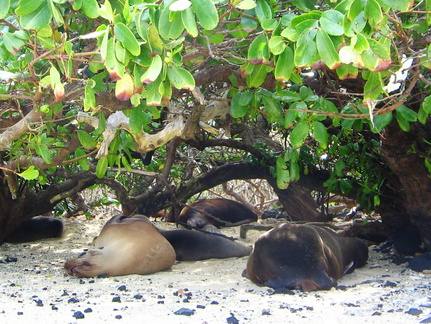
(78, 315)
(185, 311)
(414, 311)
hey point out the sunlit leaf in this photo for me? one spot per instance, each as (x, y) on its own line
(126, 37)
(206, 13)
(181, 78)
(125, 87)
(153, 71)
(285, 65)
(30, 174)
(327, 50)
(102, 167)
(331, 22)
(86, 140)
(299, 133)
(38, 18)
(320, 134)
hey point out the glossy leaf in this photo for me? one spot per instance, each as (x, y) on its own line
(277, 45)
(127, 39)
(153, 71)
(306, 53)
(38, 18)
(285, 65)
(381, 121)
(26, 7)
(258, 49)
(125, 87)
(90, 8)
(237, 110)
(181, 78)
(170, 24)
(30, 174)
(102, 167)
(327, 50)
(189, 22)
(246, 4)
(299, 133)
(283, 174)
(272, 106)
(331, 22)
(206, 13)
(263, 10)
(4, 8)
(87, 141)
(320, 134)
(373, 12)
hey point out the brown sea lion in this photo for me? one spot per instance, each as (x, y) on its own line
(191, 245)
(36, 228)
(303, 257)
(124, 246)
(215, 213)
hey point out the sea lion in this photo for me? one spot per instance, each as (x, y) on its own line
(124, 246)
(303, 257)
(210, 214)
(191, 245)
(36, 228)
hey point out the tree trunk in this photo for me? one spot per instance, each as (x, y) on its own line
(404, 152)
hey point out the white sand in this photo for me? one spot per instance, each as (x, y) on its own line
(35, 289)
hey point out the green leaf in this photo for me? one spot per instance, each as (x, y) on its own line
(38, 18)
(345, 186)
(272, 106)
(87, 141)
(238, 110)
(82, 162)
(246, 4)
(4, 8)
(127, 39)
(373, 87)
(373, 13)
(277, 45)
(12, 42)
(284, 66)
(137, 120)
(299, 133)
(170, 24)
(331, 22)
(326, 49)
(90, 8)
(206, 13)
(282, 173)
(153, 71)
(400, 5)
(101, 167)
(381, 121)
(294, 170)
(306, 53)
(258, 48)
(320, 134)
(263, 10)
(30, 174)
(407, 113)
(26, 7)
(181, 78)
(189, 22)
(257, 76)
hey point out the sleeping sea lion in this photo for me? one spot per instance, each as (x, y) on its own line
(191, 245)
(215, 213)
(124, 246)
(303, 257)
(36, 228)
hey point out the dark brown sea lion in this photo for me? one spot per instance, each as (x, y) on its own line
(124, 246)
(191, 245)
(304, 257)
(218, 212)
(36, 228)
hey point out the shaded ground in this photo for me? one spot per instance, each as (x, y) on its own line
(35, 288)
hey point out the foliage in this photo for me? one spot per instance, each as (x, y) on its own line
(149, 54)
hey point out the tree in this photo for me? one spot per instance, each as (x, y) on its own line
(328, 96)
